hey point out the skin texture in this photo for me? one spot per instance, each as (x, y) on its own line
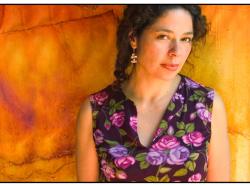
(218, 152)
(167, 41)
(87, 164)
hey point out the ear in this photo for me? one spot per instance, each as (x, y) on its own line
(132, 40)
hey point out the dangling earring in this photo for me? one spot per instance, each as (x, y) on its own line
(133, 58)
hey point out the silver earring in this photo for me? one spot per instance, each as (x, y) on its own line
(133, 58)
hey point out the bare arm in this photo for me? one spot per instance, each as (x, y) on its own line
(218, 152)
(87, 161)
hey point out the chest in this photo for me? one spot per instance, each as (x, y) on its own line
(149, 119)
(173, 158)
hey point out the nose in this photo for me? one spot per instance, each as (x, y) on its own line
(173, 48)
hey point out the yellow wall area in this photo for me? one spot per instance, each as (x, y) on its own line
(52, 57)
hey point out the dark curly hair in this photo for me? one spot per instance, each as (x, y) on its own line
(136, 18)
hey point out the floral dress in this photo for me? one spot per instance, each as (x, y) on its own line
(179, 149)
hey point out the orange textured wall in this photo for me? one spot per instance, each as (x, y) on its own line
(51, 57)
(223, 64)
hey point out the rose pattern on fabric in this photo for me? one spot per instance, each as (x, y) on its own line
(117, 119)
(200, 106)
(178, 155)
(192, 116)
(124, 162)
(204, 114)
(170, 117)
(191, 84)
(195, 138)
(170, 130)
(133, 123)
(121, 175)
(118, 151)
(166, 142)
(178, 96)
(156, 157)
(107, 170)
(98, 136)
(195, 178)
(99, 98)
(174, 149)
(107, 126)
(157, 133)
(210, 95)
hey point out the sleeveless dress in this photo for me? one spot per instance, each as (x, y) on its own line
(179, 149)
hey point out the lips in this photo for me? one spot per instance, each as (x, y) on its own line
(170, 67)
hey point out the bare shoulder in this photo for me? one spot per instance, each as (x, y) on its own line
(84, 122)
(219, 117)
(87, 162)
(218, 102)
(84, 114)
(219, 152)
(85, 107)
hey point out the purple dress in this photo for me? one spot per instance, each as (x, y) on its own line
(178, 151)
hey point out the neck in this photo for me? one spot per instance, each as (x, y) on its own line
(148, 89)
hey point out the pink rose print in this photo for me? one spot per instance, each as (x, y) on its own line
(195, 178)
(210, 95)
(99, 98)
(121, 175)
(124, 162)
(192, 116)
(204, 114)
(200, 106)
(133, 123)
(117, 119)
(170, 117)
(107, 126)
(98, 136)
(107, 170)
(195, 138)
(166, 142)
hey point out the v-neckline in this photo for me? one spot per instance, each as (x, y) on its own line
(155, 135)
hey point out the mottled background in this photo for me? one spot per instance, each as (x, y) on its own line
(53, 56)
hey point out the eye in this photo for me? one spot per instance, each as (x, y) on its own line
(187, 39)
(163, 37)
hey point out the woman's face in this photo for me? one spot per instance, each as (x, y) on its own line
(165, 45)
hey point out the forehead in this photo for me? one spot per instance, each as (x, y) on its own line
(176, 20)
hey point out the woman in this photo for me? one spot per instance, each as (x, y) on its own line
(153, 124)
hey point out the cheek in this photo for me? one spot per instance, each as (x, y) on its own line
(187, 51)
(149, 51)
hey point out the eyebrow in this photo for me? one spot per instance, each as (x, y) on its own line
(170, 31)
